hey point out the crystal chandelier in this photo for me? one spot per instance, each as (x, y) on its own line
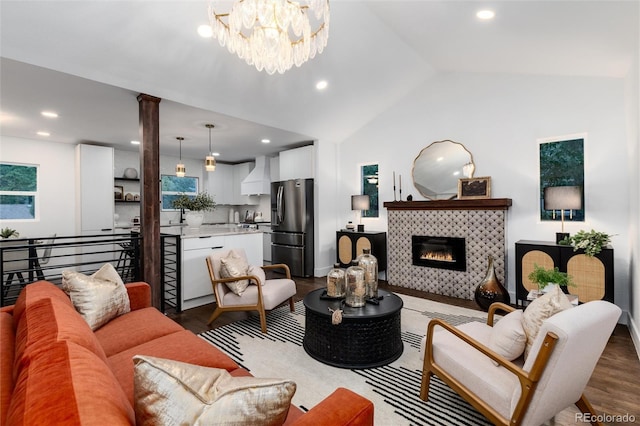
(273, 34)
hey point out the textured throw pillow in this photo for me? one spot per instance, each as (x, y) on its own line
(169, 392)
(258, 272)
(232, 266)
(508, 337)
(98, 298)
(539, 310)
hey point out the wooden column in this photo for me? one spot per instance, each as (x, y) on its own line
(149, 121)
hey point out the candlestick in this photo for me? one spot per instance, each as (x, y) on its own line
(394, 186)
(400, 184)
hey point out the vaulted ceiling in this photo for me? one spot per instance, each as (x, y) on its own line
(90, 59)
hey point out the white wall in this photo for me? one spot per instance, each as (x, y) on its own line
(56, 185)
(499, 119)
(632, 91)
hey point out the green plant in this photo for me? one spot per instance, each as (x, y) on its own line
(8, 232)
(543, 277)
(592, 242)
(201, 202)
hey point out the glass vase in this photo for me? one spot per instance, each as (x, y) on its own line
(335, 281)
(356, 290)
(369, 263)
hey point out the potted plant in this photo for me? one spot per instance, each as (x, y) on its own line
(196, 207)
(592, 242)
(9, 233)
(543, 277)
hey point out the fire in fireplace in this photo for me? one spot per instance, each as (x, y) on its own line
(439, 252)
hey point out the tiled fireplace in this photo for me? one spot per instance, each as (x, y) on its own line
(439, 227)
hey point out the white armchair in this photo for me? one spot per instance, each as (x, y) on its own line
(255, 297)
(553, 377)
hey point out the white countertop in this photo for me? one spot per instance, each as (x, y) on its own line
(208, 230)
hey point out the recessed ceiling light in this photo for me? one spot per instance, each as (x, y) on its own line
(322, 84)
(135, 142)
(216, 154)
(42, 133)
(265, 140)
(486, 14)
(49, 114)
(205, 31)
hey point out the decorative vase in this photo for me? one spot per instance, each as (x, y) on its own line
(130, 173)
(356, 290)
(194, 219)
(490, 289)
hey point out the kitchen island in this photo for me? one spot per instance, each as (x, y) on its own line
(198, 243)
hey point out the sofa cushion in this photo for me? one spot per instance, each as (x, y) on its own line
(169, 392)
(182, 346)
(148, 323)
(99, 297)
(67, 384)
(7, 350)
(33, 292)
(47, 321)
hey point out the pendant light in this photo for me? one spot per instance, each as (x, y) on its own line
(209, 160)
(180, 169)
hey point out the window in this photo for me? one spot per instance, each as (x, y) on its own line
(172, 186)
(369, 175)
(18, 191)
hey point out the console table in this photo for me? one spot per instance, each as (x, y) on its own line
(350, 245)
(593, 276)
(367, 337)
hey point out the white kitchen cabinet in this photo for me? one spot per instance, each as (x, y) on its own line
(224, 184)
(297, 163)
(251, 243)
(219, 183)
(196, 284)
(95, 196)
(241, 171)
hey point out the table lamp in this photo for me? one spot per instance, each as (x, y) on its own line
(359, 203)
(562, 198)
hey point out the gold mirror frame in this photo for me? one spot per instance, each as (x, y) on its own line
(438, 167)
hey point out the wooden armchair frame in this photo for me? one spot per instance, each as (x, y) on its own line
(528, 380)
(259, 306)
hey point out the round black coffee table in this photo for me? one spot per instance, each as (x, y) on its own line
(367, 337)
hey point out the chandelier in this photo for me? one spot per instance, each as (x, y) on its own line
(273, 34)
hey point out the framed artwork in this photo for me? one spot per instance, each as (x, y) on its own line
(369, 185)
(474, 188)
(118, 192)
(561, 161)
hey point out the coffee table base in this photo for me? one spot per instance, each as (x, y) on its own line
(360, 342)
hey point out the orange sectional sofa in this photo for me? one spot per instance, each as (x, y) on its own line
(55, 370)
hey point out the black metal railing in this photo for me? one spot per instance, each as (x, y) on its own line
(24, 261)
(171, 272)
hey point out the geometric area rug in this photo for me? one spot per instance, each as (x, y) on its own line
(394, 389)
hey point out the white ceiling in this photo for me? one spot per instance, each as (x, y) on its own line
(88, 60)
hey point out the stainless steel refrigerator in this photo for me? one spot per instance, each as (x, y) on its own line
(292, 225)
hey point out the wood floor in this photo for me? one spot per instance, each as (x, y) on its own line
(614, 388)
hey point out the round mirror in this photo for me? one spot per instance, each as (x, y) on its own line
(438, 167)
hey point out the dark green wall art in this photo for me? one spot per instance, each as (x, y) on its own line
(561, 164)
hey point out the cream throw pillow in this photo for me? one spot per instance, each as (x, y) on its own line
(508, 337)
(234, 265)
(258, 272)
(539, 310)
(169, 392)
(98, 298)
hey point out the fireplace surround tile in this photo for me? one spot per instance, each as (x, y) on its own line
(483, 225)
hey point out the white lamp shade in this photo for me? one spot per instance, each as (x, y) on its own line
(563, 198)
(360, 202)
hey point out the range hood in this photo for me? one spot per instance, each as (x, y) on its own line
(259, 180)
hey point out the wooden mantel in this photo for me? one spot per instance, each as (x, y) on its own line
(481, 204)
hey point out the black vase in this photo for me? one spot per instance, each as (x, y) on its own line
(490, 289)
